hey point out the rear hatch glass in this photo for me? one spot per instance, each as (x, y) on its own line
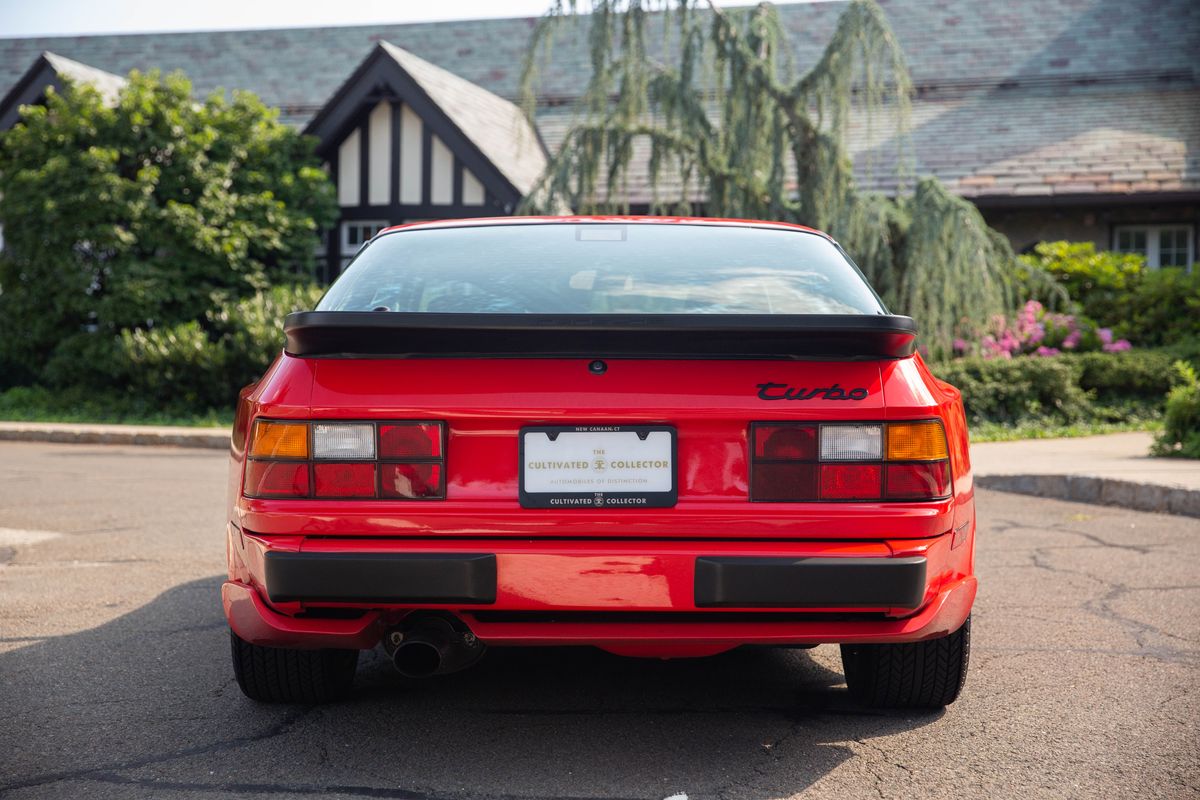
(603, 268)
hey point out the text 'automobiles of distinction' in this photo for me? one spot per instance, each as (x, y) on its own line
(662, 437)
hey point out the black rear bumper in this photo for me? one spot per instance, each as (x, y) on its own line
(381, 577)
(470, 579)
(810, 582)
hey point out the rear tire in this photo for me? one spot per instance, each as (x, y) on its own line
(927, 674)
(280, 675)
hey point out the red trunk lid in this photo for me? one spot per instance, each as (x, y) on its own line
(485, 402)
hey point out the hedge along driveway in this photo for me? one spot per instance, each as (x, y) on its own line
(1064, 389)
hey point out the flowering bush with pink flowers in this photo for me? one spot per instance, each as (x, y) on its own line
(1038, 332)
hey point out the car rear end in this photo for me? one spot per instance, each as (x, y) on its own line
(577, 432)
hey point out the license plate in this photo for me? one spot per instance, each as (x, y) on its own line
(598, 466)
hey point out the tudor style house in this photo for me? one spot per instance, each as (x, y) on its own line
(1059, 119)
(406, 140)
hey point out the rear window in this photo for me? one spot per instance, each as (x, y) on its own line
(602, 268)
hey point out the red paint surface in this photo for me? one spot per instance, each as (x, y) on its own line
(627, 559)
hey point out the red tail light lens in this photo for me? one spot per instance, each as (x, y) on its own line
(392, 460)
(410, 440)
(784, 482)
(851, 481)
(344, 480)
(918, 481)
(411, 481)
(791, 442)
(844, 461)
(276, 479)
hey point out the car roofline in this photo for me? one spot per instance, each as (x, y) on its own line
(634, 219)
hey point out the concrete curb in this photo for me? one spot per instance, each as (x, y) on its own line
(161, 435)
(1100, 491)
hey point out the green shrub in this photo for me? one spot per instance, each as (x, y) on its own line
(1186, 350)
(250, 331)
(199, 365)
(1012, 390)
(1181, 425)
(1124, 387)
(1149, 307)
(90, 360)
(1096, 280)
(181, 369)
(1162, 308)
(1145, 375)
(178, 365)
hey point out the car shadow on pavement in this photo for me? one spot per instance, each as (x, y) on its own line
(146, 705)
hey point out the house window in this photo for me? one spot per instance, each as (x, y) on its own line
(357, 233)
(1162, 245)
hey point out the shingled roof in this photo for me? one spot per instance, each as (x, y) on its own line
(50, 70)
(1016, 100)
(496, 126)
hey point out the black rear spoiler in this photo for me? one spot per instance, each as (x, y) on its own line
(428, 335)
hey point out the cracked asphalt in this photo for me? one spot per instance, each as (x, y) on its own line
(115, 678)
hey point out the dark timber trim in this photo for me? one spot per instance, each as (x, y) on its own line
(364, 160)
(426, 165)
(355, 97)
(457, 177)
(333, 250)
(394, 195)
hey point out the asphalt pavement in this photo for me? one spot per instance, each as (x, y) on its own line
(115, 677)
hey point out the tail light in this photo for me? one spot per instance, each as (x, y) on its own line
(849, 461)
(241, 421)
(362, 460)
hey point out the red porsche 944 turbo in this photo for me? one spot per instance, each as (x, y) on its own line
(662, 437)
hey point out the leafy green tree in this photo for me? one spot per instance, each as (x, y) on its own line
(144, 214)
(712, 96)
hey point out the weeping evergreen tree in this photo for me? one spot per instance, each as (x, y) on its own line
(726, 117)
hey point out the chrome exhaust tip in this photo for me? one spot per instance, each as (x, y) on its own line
(432, 645)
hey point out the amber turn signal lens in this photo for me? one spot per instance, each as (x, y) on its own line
(279, 440)
(915, 441)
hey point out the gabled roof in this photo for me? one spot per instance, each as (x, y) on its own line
(496, 126)
(489, 134)
(106, 83)
(51, 70)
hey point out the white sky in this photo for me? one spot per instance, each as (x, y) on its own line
(67, 17)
